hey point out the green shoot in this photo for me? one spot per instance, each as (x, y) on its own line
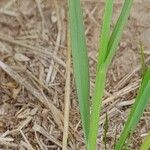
(103, 65)
(108, 45)
(137, 110)
(96, 106)
(117, 32)
(80, 61)
(105, 33)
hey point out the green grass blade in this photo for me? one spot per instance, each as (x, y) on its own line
(80, 61)
(100, 77)
(105, 33)
(96, 107)
(137, 110)
(146, 143)
(104, 58)
(117, 32)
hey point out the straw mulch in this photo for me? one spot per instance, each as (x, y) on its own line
(34, 74)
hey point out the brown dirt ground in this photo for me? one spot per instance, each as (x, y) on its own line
(33, 73)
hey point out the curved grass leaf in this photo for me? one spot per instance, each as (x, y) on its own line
(105, 33)
(137, 110)
(106, 53)
(117, 32)
(146, 143)
(100, 76)
(80, 61)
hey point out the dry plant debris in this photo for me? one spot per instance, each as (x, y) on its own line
(33, 68)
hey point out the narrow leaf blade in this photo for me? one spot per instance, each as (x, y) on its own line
(137, 110)
(105, 33)
(100, 76)
(117, 32)
(80, 61)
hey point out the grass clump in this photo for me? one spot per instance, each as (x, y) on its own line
(107, 47)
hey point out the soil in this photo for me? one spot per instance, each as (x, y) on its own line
(33, 50)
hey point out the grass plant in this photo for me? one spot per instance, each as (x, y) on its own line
(108, 44)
